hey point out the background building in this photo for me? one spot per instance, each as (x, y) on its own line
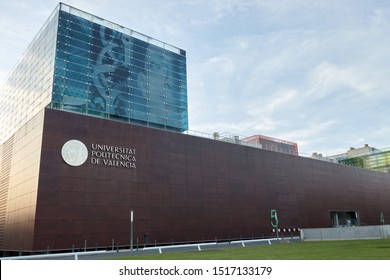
(366, 157)
(273, 144)
(92, 131)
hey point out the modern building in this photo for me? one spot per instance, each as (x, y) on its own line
(87, 65)
(366, 157)
(273, 144)
(92, 122)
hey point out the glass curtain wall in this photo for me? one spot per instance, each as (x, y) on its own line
(103, 72)
(82, 63)
(28, 87)
(379, 161)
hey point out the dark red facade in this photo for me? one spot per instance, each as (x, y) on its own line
(185, 188)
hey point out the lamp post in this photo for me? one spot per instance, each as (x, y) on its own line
(131, 230)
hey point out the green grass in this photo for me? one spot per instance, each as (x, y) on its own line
(377, 249)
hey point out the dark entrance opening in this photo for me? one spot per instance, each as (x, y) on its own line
(344, 218)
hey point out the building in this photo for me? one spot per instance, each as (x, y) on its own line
(87, 65)
(366, 157)
(89, 137)
(273, 144)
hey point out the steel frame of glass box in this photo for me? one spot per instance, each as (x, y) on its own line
(81, 63)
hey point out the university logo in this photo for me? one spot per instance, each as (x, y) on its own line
(74, 152)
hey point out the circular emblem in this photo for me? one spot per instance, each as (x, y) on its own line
(74, 152)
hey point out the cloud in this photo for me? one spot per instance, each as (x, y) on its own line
(215, 11)
(301, 84)
(313, 72)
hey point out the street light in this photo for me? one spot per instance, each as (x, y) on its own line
(131, 230)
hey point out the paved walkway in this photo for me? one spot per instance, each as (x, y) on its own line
(98, 255)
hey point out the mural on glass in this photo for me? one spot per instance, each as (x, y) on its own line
(104, 72)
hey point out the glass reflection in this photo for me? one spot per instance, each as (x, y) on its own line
(105, 72)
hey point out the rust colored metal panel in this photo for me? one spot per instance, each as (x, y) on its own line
(184, 188)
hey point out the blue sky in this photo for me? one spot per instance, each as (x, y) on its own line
(308, 71)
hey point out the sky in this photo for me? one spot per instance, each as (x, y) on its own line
(314, 72)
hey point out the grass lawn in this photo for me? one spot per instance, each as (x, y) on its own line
(376, 249)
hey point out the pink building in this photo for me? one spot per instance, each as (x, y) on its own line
(273, 144)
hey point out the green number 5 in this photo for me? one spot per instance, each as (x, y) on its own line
(274, 218)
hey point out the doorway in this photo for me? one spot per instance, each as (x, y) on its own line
(344, 218)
